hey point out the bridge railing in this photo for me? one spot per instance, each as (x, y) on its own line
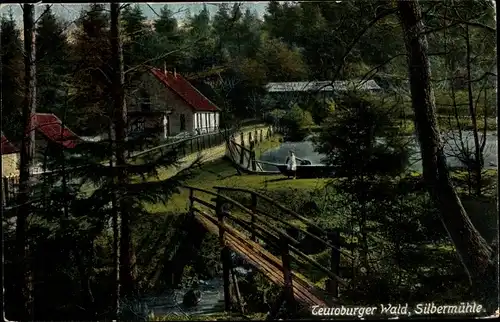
(257, 224)
(330, 239)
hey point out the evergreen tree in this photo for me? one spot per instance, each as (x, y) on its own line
(202, 46)
(11, 77)
(90, 60)
(52, 69)
(169, 38)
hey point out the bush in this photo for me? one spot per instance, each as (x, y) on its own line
(298, 123)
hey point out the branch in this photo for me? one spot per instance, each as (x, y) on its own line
(47, 9)
(376, 68)
(360, 34)
(124, 6)
(156, 58)
(154, 11)
(469, 23)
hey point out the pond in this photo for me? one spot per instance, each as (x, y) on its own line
(305, 150)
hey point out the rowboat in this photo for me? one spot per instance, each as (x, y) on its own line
(305, 170)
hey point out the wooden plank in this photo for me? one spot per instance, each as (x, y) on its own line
(270, 268)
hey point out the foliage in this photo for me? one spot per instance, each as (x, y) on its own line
(230, 57)
(362, 139)
(11, 80)
(297, 122)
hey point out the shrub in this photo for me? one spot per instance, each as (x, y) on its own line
(298, 123)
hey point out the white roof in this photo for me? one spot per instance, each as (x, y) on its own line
(322, 86)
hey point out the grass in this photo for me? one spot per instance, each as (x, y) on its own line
(446, 124)
(222, 173)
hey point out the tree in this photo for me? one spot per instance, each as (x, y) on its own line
(280, 61)
(363, 144)
(90, 58)
(127, 251)
(24, 286)
(202, 54)
(169, 38)
(11, 83)
(52, 63)
(471, 248)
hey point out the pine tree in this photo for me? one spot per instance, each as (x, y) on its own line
(24, 286)
(90, 59)
(202, 46)
(168, 38)
(11, 80)
(52, 64)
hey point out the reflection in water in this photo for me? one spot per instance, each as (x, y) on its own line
(305, 150)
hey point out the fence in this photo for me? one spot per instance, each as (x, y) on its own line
(185, 147)
(189, 145)
(10, 187)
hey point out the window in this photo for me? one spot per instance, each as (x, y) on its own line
(145, 101)
(183, 122)
(138, 126)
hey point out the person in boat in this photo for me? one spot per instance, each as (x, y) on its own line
(291, 165)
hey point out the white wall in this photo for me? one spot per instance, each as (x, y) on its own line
(207, 121)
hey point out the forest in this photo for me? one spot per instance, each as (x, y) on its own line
(101, 233)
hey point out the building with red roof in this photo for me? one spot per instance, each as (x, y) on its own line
(7, 147)
(50, 128)
(10, 158)
(167, 101)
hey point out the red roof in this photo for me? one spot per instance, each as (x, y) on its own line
(51, 127)
(184, 89)
(7, 147)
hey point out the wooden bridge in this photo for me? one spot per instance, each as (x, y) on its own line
(263, 240)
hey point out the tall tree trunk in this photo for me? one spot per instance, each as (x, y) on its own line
(116, 231)
(127, 254)
(471, 248)
(24, 287)
(478, 153)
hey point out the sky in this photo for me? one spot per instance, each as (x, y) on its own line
(70, 11)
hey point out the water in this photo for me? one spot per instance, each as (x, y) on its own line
(305, 150)
(212, 299)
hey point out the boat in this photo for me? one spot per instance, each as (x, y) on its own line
(305, 170)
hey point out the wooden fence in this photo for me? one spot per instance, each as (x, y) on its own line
(266, 238)
(195, 144)
(9, 189)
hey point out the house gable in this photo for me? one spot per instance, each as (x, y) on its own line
(51, 128)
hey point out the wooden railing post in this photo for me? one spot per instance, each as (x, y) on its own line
(253, 157)
(332, 286)
(242, 139)
(254, 211)
(191, 142)
(191, 201)
(261, 136)
(5, 188)
(242, 155)
(225, 255)
(287, 272)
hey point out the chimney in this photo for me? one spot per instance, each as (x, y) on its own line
(165, 68)
(175, 73)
